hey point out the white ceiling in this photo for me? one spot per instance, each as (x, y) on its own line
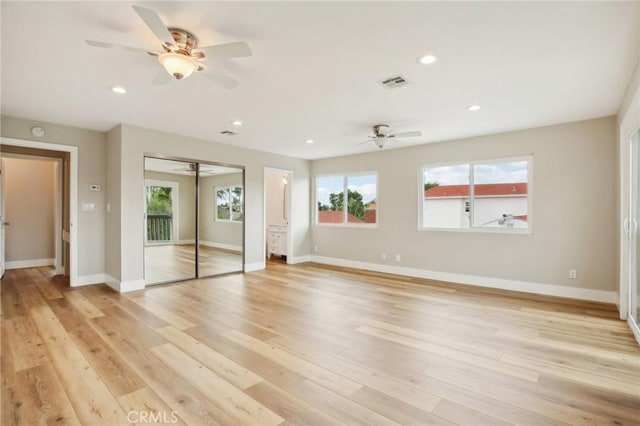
(316, 68)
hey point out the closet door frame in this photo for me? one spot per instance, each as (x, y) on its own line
(198, 163)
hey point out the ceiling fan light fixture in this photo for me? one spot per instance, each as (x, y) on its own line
(177, 65)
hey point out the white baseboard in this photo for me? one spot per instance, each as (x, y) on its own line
(31, 263)
(634, 328)
(497, 283)
(125, 286)
(250, 267)
(223, 246)
(89, 280)
(299, 259)
(192, 241)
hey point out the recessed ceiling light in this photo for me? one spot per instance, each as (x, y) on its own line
(236, 123)
(119, 89)
(427, 59)
(309, 141)
(474, 108)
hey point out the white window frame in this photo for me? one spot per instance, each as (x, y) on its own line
(506, 230)
(175, 206)
(345, 223)
(215, 203)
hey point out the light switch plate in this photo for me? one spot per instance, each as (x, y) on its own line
(95, 187)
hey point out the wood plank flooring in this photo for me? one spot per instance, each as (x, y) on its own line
(172, 262)
(308, 344)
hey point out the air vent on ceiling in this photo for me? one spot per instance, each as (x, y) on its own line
(393, 82)
(228, 133)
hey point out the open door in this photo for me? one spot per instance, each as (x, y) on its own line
(66, 217)
(2, 218)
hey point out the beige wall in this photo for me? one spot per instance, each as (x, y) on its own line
(573, 214)
(30, 208)
(91, 169)
(186, 202)
(220, 234)
(275, 197)
(135, 142)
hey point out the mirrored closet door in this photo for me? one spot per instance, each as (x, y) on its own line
(221, 220)
(194, 220)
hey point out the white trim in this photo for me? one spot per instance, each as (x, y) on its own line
(31, 263)
(299, 259)
(123, 287)
(497, 283)
(257, 266)
(90, 280)
(634, 328)
(73, 196)
(223, 246)
(191, 241)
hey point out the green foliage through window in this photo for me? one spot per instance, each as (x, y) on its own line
(229, 203)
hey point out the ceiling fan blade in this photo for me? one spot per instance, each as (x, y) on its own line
(154, 23)
(115, 46)
(161, 78)
(406, 134)
(220, 78)
(237, 49)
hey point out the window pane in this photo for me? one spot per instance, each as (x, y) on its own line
(361, 199)
(237, 204)
(446, 197)
(222, 204)
(330, 199)
(500, 195)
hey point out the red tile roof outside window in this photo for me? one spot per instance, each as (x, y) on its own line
(480, 190)
(328, 216)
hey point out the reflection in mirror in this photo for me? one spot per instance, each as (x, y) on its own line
(170, 214)
(221, 220)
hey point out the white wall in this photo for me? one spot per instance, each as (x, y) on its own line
(91, 169)
(30, 209)
(574, 193)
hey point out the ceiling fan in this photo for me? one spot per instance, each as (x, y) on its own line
(180, 55)
(191, 168)
(381, 135)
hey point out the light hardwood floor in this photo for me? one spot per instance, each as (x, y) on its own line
(172, 262)
(307, 344)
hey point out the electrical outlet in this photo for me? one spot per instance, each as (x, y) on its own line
(384, 256)
(573, 274)
(397, 258)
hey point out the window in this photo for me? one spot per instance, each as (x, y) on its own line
(358, 192)
(229, 204)
(490, 195)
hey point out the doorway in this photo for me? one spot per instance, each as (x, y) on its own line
(67, 186)
(277, 215)
(632, 240)
(194, 219)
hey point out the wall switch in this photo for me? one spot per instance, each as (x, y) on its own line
(384, 256)
(397, 258)
(108, 207)
(573, 274)
(95, 187)
(88, 207)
